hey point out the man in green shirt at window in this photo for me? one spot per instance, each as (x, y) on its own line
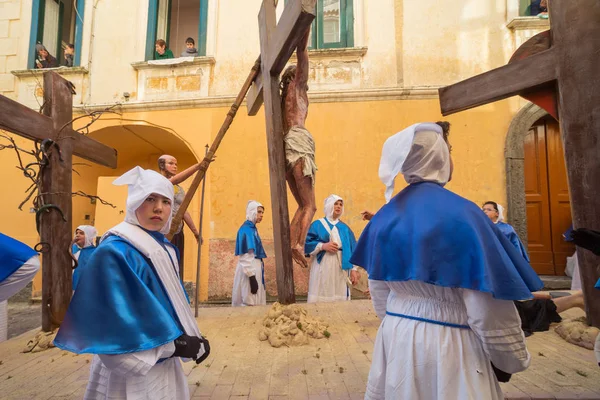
(162, 52)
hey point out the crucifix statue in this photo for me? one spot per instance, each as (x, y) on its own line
(59, 142)
(293, 160)
(558, 70)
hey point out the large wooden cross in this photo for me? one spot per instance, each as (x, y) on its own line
(56, 184)
(558, 71)
(277, 44)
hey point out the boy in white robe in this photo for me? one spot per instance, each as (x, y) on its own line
(330, 243)
(130, 309)
(249, 279)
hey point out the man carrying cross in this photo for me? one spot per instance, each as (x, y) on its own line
(299, 148)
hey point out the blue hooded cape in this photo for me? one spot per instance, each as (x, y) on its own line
(318, 234)
(248, 239)
(84, 257)
(13, 254)
(120, 305)
(429, 234)
(511, 235)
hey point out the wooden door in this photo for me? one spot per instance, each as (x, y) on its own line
(547, 199)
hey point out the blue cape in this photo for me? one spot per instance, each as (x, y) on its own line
(84, 257)
(318, 234)
(120, 305)
(510, 233)
(248, 239)
(13, 254)
(429, 234)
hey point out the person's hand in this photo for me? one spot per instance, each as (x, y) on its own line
(354, 277)
(253, 285)
(197, 236)
(588, 239)
(367, 215)
(204, 341)
(331, 247)
(187, 346)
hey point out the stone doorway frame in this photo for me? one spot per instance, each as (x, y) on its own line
(514, 156)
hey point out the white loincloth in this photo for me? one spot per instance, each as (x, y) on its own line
(299, 144)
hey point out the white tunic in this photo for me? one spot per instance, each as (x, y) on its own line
(11, 286)
(422, 360)
(241, 295)
(328, 281)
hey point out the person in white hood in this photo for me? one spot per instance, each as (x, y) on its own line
(130, 309)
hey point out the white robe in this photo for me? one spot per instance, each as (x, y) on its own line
(137, 376)
(11, 286)
(422, 360)
(328, 281)
(241, 295)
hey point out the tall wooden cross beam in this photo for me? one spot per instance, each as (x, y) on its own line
(56, 184)
(277, 44)
(567, 67)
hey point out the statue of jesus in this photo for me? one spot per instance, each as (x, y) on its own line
(299, 148)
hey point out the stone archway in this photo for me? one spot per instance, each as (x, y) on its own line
(515, 166)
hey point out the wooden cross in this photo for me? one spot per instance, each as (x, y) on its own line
(55, 124)
(277, 44)
(567, 67)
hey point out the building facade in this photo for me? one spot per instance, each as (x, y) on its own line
(375, 67)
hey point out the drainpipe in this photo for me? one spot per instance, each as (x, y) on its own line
(90, 52)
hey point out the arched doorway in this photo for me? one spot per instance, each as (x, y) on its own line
(538, 194)
(136, 144)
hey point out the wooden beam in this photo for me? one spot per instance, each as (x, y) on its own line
(574, 24)
(56, 190)
(254, 99)
(297, 16)
(277, 168)
(500, 83)
(25, 122)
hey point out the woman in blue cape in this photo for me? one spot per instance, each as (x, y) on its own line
(18, 265)
(442, 279)
(249, 279)
(130, 309)
(84, 241)
(495, 213)
(330, 243)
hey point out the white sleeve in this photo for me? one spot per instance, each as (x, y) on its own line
(318, 249)
(138, 363)
(20, 278)
(245, 261)
(379, 295)
(498, 326)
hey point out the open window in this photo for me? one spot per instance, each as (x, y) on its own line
(333, 26)
(56, 24)
(533, 8)
(174, 21)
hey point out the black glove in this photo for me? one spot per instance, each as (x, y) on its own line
(588, 239)
(253, 285)
(187, 346)
(501, 375)
(203, 357)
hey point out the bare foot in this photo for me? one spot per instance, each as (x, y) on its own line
(298, 256)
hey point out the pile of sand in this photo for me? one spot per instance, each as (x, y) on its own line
(578, 332)
(291, 326)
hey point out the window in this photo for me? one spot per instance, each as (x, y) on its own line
(174, 21)
(55, 24)
(533, 8)
(334, 25)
